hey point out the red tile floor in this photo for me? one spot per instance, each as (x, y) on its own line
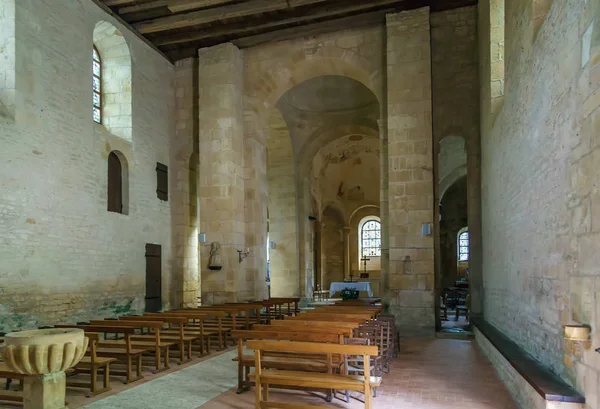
(428, 374)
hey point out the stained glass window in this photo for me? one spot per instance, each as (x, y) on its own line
(371, 239)
(96, 86)
(463, 246)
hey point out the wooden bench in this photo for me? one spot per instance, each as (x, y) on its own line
(212, 321)
(91, 363)
(314, 323)
(124, 353)
(284, 378)
(10, 395)
(548, 385)
(178, 336)
(152, 343)
(245, 362)
(199, 324)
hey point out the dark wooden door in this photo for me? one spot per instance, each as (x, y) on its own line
(153, 278)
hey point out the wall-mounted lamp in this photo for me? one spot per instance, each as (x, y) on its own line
(243, 254)
(576, 332)
(426, 229)
(201, 237)
(271, 245)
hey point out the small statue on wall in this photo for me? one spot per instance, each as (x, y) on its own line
(214, 261)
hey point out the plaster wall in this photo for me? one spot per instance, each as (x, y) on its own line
(65, 258)
(540, 202)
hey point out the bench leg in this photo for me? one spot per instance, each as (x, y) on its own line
(129, 368)
(265, 392)
(107, 377)
(94, 379)
(240, 378)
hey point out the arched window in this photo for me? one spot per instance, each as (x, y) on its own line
(463, 245)
(370, 236)
(97, 86)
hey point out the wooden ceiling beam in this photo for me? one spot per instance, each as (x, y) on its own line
(361, 20)
(143, 7)
(111, 3)
(211, 15)
(324, 12)
(184, 5)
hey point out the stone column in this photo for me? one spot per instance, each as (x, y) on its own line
(184, 190)
(221, 179)
(410, 160)
(346, 237)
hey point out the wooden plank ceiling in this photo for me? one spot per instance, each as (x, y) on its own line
(179, 27)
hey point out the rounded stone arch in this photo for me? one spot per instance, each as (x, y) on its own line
(301, 66)
(116, 79)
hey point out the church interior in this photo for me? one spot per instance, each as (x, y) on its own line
(236, 204)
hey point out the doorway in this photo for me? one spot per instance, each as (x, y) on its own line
(153, 278)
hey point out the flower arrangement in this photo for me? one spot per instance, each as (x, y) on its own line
(349, 294)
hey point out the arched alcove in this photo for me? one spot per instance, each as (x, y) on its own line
(117, 191)
(116, 79)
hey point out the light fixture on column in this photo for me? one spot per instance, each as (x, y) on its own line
(271, 245)
(201, 237)
(576, 332)
(426, 229)
(243, 254)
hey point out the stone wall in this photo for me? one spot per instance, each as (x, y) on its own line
(65, 258)
(541, 196)
(410, 139)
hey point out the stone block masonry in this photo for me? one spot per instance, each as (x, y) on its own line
(410, 183)
(64, 257)
(221, 179)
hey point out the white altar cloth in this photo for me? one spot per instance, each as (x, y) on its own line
(363, 286)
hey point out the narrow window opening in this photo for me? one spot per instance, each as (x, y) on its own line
(96, 86)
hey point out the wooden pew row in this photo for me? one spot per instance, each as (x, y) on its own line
(245, 362)
(153, 344)
(90, 364)
(125, 354)
(198, 325)
(293, 378)
(175, 333)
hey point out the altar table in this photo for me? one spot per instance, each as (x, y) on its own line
(363, 286)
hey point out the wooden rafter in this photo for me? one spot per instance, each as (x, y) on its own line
(212, 15)
(179, 27)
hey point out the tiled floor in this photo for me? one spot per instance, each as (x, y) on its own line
(429, 374)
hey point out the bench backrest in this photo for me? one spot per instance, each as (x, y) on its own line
(347, 332)
(312, 347)
(287, 336)
(314, 323)
(327, 317)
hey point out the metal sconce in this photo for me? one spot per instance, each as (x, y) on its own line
(271, 245)
(243, 254)
(202, 238)
(576, 333)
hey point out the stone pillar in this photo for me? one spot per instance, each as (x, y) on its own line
(410, 160)
(184, 186)
(221, 178)
(384, 212)
(346, 237)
